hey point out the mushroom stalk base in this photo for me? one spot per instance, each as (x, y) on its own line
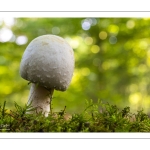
(40, 99)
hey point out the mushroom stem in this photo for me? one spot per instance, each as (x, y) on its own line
(40, 98)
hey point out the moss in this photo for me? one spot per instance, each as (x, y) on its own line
(96, 117)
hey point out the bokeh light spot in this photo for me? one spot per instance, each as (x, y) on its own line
(21, 40)
(95, 49)
(130, 24)
(85, 71)
(94, 21)
(86, 25)
(5, 34)
(74, 44)
(74, 41)
(102, 35)
(92, 76)
(9, 22)
(88, 40)
(113, 40)
(143, 44)
(55, 30)
(135, 98)
(113, 29)
(76, 77)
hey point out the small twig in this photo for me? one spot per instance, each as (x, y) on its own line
(63, 111)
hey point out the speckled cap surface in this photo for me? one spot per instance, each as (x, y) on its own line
(49, 61)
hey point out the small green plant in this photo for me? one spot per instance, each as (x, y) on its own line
(96, 117)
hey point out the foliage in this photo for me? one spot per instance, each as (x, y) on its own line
(112, 60)
(96, 117)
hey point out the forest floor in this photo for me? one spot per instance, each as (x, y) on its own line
(97, 117)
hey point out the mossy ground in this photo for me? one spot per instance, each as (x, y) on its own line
(97, 117)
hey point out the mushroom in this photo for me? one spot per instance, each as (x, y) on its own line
(48, 63)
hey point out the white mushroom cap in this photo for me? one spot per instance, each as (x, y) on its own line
(49, 61)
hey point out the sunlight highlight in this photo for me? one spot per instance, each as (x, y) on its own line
(9, 22)
(5, 34)
(21, 40)
(74, 41)
(113, 29)
(135, 98)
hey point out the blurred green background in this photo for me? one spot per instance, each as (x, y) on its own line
(112, 60)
